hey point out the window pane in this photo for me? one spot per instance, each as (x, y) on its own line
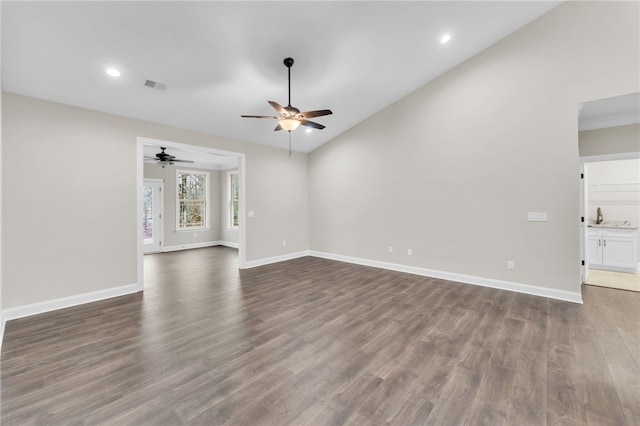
(192, 200)
(147, 219)
(192, 214)
(234, 196)
(236, 211)
(234, 187)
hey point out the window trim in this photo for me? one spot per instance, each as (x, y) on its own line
(207, 201)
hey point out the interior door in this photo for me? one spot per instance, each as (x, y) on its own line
(152, 215)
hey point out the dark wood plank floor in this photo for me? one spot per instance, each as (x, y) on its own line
(317, 342)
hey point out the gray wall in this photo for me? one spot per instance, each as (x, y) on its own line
(452, 169)
(171, 236)
(612, 140)
(70, 219)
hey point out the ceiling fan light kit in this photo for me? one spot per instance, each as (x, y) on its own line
(289, 117)
(289, 124)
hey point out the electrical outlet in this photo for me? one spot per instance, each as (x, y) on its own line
(511, 265)
(410, 252)
(390, 249)
(284, 243)
(195, 235)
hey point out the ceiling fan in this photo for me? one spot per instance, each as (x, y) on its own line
(163, 158)
(290, 117)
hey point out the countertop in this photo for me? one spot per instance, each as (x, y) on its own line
(612, 226)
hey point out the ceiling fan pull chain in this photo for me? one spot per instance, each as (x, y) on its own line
(289, 144)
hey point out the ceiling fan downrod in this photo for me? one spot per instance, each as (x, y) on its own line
(288, 62)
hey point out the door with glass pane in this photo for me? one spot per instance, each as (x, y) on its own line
(152, 210)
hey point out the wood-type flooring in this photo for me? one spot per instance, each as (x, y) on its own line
(317, 342)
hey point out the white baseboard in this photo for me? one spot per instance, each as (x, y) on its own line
(2, 324)
(575, 297)
(66, 302)
(275, 259)
(613, 268)
(190, 246)
(229, 244)
(200, 245)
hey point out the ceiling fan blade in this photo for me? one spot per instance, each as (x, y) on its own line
(149, 158)
(259, 116)
(318, 113)
(278, 127)
(283, 112)
(311, 124)
(181, 161)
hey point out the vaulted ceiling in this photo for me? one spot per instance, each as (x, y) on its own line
(217, 60)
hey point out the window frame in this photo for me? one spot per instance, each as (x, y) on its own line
(230, 200)
(207, 200)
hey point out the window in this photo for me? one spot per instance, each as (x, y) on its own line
(234, 197)
(192, 201)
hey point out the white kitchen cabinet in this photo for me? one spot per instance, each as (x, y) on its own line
(613, 249)
(595, 249)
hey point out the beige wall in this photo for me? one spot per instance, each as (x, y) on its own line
(70, 218)
(451, 170)
(171, 236)
(611, 140)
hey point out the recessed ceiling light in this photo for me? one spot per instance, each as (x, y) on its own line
(113, 72)
(445, 38)
(308, 130)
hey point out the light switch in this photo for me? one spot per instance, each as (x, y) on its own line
(250, 214)
(537, 216)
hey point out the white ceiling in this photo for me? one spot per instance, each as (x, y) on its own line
(219, 60)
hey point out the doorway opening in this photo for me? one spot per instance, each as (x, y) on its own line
(159, 227)
(609, 130)
(611, 211)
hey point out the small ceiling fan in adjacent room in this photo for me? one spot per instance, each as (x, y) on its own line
(163, 159)
(289, 117)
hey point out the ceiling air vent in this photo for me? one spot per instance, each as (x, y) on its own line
(155, 85)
